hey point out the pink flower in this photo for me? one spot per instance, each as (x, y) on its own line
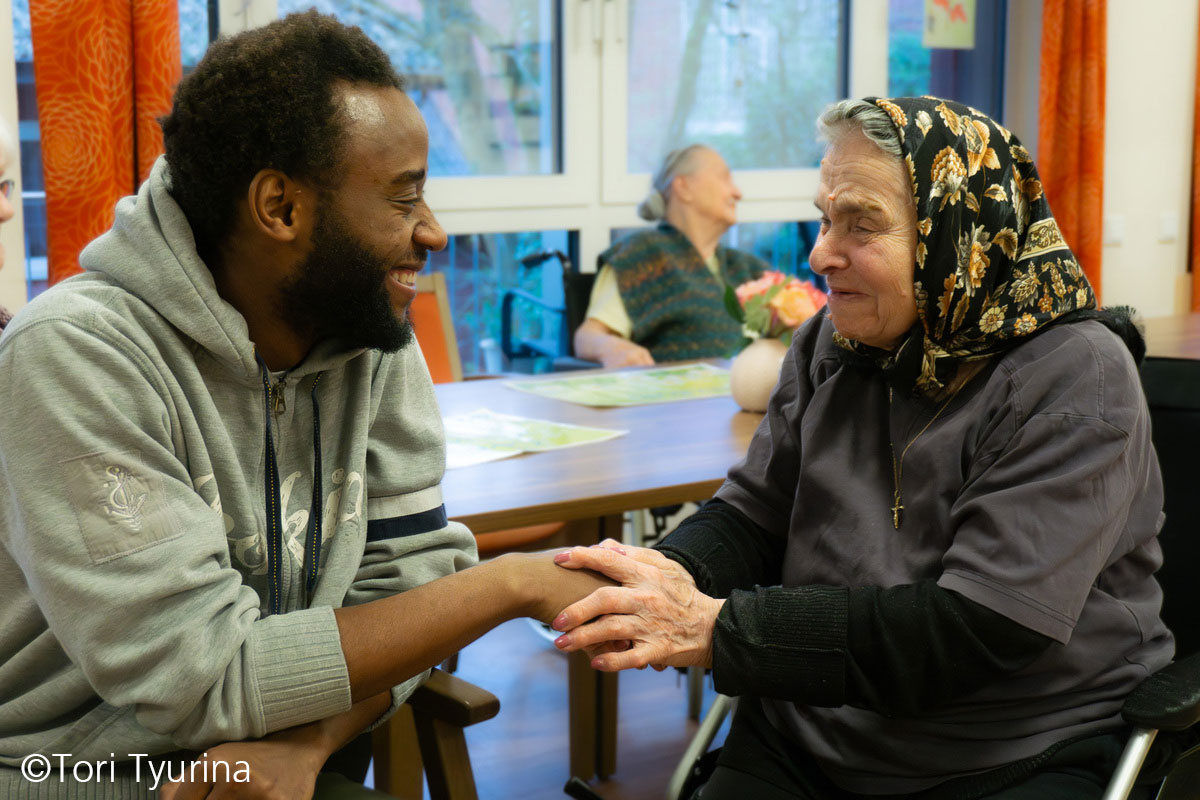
(759, 286)
(775, 304)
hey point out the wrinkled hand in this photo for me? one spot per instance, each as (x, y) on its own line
(657, 611)
(624, 353)
(282, 766)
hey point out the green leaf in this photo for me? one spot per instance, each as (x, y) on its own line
(732, 305)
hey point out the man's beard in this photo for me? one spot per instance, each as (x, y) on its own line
(338, 292)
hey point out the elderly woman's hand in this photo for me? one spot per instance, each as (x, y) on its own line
(657, 616)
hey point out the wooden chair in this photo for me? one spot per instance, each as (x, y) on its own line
(428, 730)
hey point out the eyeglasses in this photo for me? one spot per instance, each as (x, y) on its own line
(6, 187)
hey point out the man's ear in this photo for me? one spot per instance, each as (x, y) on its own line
(279, 206)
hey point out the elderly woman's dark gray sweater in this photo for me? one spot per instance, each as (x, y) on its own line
(1015, 606)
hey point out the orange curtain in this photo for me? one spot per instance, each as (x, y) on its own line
(1194, 264)
(1071, 125)
(105, 71)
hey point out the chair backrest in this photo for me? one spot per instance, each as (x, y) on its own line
(434, 328)
(1172, 387)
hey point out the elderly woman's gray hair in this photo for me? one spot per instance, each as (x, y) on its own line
(849, 116)
(677, 162)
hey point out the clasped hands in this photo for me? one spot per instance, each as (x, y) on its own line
(655, 617)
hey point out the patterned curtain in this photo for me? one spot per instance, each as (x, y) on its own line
(1071, 126)
(105, 71)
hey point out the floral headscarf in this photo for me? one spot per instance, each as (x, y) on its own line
(991, 264)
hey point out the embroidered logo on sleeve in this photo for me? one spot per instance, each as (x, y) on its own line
(118, 504)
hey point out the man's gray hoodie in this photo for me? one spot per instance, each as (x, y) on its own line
(146, 605)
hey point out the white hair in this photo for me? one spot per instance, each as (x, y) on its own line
(677, 162)
(848, 116)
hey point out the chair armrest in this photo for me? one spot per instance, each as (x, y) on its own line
(1168, 700)
(453, 700)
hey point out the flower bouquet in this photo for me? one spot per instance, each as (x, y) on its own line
(773, 306)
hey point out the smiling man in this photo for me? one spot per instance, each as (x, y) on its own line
(220, 451)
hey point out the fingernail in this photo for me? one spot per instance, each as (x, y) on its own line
(562, 558)
(559, 623)
(620, 550)
(562, 641)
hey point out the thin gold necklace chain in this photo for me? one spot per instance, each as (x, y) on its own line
(898, 466)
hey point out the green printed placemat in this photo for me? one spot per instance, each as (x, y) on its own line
(484, 435)
(633, 387)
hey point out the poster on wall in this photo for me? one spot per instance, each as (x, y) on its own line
(949, 24)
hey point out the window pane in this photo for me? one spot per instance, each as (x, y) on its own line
(974, 77)
(478, 269)
(485, 74)
(748, 78)
(33, 187)
(193, 31)
(783, 245)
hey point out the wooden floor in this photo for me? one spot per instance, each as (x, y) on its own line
(522, 753)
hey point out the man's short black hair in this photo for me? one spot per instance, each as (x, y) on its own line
(264, 99)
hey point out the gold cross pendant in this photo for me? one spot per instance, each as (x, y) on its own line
(896, 509)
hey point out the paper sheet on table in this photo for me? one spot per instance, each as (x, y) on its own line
(484, 435)
(633, 387)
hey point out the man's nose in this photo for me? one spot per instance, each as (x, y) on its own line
(429, 234)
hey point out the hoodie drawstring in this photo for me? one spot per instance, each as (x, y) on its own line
(312, 539)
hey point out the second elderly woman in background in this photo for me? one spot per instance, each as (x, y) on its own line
(8, 155)
(659, 294)
(933, 573)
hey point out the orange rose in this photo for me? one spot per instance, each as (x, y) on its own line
(794, 304)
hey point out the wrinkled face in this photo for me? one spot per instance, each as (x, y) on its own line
(709, 189)
(6, 201)
(867, 246)
(372, 233)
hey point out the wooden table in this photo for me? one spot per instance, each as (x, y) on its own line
(1174, 337)
(673, 453)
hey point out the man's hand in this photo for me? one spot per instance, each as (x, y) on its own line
(657, 616)
(282, 766)
(548, 589)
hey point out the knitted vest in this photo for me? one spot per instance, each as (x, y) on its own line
(677, 308)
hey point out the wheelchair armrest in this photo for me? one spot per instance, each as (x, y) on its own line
(453, 700)
(1168, 700)
(509, 297)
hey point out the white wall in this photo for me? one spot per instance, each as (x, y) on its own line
(1148, 154)
(1023, 70)
(12, 276)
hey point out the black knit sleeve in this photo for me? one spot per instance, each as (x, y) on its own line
(901, 651)
(723, 549)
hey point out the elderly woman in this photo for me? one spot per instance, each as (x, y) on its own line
(8, 150)
(932, 575)
(659, 295)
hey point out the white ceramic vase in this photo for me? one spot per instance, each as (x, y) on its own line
(755, 372)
